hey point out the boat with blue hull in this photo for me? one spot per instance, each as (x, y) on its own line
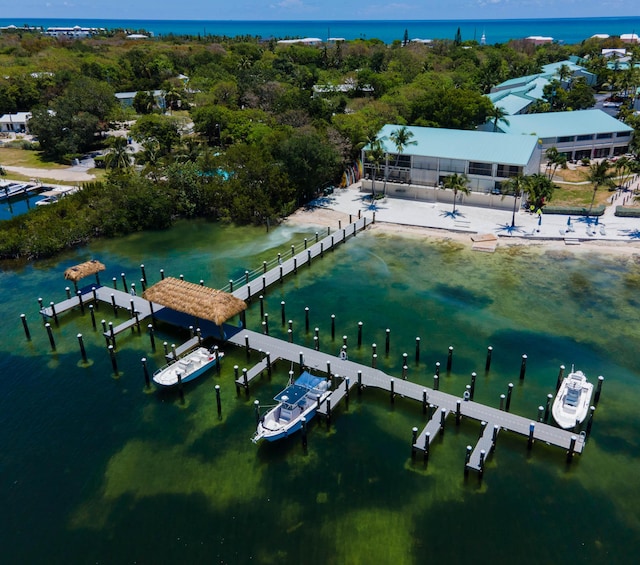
(299, 400)
(189, 367)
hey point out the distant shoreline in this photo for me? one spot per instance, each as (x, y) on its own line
(563, 30)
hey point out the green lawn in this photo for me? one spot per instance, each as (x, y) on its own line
(11, 156)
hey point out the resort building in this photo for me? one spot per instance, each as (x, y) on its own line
(16, 123)
(488, 159)
(517, 94)
(76, 32)
(591, 134)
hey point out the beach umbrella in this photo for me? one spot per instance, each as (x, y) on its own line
(596, 220)
(569, 221)
(540, 220)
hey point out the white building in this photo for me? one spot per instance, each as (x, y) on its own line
(15, 123)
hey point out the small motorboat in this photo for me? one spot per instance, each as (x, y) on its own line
(572, 401)
(189, 367)
(299, 400)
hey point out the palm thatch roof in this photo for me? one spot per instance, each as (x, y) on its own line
(83, 270)
(198, 301)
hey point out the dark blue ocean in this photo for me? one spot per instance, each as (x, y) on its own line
(571, 30)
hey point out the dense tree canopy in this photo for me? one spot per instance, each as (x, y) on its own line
(254, 128)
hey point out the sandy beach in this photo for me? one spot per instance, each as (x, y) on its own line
(324, 216)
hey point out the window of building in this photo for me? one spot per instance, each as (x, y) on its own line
(600, 152)
(620, 150)
(483, 169)
(428, 163)
(452, 165)
(604, 136)
(623, 134)
(585, 137)
(566, 139)
(508, 171)
(582, 154)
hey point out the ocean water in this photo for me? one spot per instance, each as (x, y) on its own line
(96, 468)
(565, 30)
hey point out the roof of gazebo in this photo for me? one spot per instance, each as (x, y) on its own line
(194, 299)
(83, 270)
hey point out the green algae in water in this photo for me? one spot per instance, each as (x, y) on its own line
(96, 469)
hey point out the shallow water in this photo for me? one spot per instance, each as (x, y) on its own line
(95, 468)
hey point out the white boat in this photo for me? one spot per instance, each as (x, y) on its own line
(298, 400)
(189, 367)
(572, 401)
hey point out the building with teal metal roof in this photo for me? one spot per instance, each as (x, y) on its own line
(517, 94)
(591, 134)
(487, 158)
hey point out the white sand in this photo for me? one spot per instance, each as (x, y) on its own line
(325, 217)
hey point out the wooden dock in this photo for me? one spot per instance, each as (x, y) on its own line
(446, 404)
(262, 280)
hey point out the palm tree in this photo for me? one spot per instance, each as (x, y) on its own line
(555, 159)
(498, 114)
(375, 155)
(517, 185)
(599, 175)
(118, 156)
(457, 183)
(402, 137)
(540, 189)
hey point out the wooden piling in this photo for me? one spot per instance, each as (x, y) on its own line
(523, 366)
(359, 335)
(306, 319)
(559, 379)
(25, 326)
(449, 359)
(282, 312)
(392, 394)
(93, 316)
(487, 365)
(114, 362)
(417, 350)
(218, 402)
(52, 305)
(509, 391)
(596, 398)
(472, 390)
(83, 351)
(333, 327)
(145, 371)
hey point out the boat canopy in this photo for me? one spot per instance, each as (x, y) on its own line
(296, 392)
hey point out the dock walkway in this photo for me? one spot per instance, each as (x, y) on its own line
(370, 377)
(260, 284)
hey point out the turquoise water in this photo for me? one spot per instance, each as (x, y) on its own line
(571, 30)
(95, 468)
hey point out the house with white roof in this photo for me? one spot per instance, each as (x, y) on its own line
(15, 123)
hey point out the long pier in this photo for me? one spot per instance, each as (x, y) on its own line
(441, 404)
(285, 266)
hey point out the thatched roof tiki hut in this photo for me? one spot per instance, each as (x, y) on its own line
(82, 270)
(199, 301)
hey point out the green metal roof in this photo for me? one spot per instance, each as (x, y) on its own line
(560, 124)
(467, 145)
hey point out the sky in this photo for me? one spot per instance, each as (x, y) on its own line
(315, 9)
